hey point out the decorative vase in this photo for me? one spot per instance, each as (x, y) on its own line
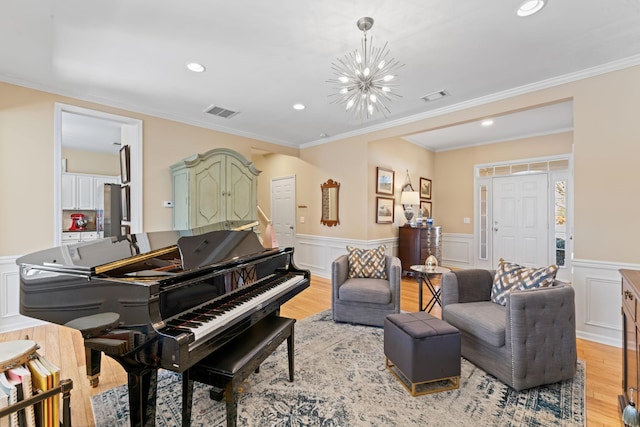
(431, 262)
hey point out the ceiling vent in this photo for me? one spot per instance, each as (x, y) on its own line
(435, 95)
(221, 112)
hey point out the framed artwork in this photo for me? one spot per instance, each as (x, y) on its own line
(384, 210)
(425, 188)
(125, 165)
(384, 181)
(125, 201)
(427, 211)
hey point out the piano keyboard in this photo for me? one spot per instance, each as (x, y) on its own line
(210, 317)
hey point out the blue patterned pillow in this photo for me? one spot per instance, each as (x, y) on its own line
(513, 277)
(367, 263)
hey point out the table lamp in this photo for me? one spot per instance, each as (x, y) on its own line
(408, 199)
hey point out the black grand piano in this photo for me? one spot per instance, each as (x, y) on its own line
(158, 299)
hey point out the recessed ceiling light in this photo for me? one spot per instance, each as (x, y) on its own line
(487, 122)
(529, 7)
(298, 106)
(195, 67)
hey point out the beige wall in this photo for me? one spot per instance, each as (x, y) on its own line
(605, 138)
(454, 174)
(26, 164)
(90, 162)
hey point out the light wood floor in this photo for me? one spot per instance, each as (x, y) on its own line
(63, 346)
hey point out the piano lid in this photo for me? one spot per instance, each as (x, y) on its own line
(102, 255)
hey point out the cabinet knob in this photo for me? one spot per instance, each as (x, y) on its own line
(628, 295)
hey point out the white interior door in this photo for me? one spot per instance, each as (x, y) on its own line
(520, 220)
(283, 210)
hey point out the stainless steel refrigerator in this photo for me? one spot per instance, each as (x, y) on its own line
(112, 210)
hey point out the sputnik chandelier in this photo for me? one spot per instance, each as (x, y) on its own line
(365, 80)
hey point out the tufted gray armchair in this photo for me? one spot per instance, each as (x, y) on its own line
(364, 301)
(529, 342)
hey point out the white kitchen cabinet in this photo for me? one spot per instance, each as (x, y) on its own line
(83, 191)
(79, 236)
(218, 187)
(69, 191)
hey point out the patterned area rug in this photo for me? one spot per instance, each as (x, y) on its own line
(341, 380)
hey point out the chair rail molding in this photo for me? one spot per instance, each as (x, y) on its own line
(316, 253)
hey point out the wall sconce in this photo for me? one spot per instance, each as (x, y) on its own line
(408, 199)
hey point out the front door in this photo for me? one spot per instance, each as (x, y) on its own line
(520, 220)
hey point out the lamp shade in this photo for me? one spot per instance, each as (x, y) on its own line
(410, 198)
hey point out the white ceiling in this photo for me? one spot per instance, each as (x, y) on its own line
(262, 57)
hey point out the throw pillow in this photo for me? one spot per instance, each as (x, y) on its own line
(513, 277)
(368, 263)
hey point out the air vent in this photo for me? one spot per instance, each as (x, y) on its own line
(435, 95)
(221, 112)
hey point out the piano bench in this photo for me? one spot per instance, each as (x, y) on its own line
(227, 367)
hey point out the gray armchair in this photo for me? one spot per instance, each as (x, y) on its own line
(364, 301)
(529, 342)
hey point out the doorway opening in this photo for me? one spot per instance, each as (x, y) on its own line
(130, 134)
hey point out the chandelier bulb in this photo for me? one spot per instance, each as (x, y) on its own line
(386, 89)
(366, 72)
(358, 57)
(343, 79)
(381, 65)
(344, 90)
(373, 98)
(370, 108)
(350, 104)
(388, 77)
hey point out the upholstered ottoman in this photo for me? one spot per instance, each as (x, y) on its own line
(421, 349)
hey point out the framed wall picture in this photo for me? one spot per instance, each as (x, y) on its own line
(125, 202)
(384, 210)
(425, 188)
(125, 165)
(427, 210)
(384, 181)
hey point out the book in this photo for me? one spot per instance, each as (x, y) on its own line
(4, 402)
(23, 376)
(54, 381)
(11, 391)
(40, 381)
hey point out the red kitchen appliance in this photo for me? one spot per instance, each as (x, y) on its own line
(78, 222)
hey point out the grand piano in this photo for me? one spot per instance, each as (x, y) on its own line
(159, 299)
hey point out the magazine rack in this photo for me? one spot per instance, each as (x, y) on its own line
(19, 352)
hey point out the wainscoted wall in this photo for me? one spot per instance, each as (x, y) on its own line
(457, 250)
(599, 300)
(316, 253)
(10, 318)
(597, 284)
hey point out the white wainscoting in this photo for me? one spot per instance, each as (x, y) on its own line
(316, 253)
(10, 318)
(457, 250)
(598, 300)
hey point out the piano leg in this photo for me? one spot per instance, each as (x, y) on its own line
(187, 398)
(143, 385)
(92, 359)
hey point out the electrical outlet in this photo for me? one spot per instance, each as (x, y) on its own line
(167, 204)
(301, 220)
(467, 220)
